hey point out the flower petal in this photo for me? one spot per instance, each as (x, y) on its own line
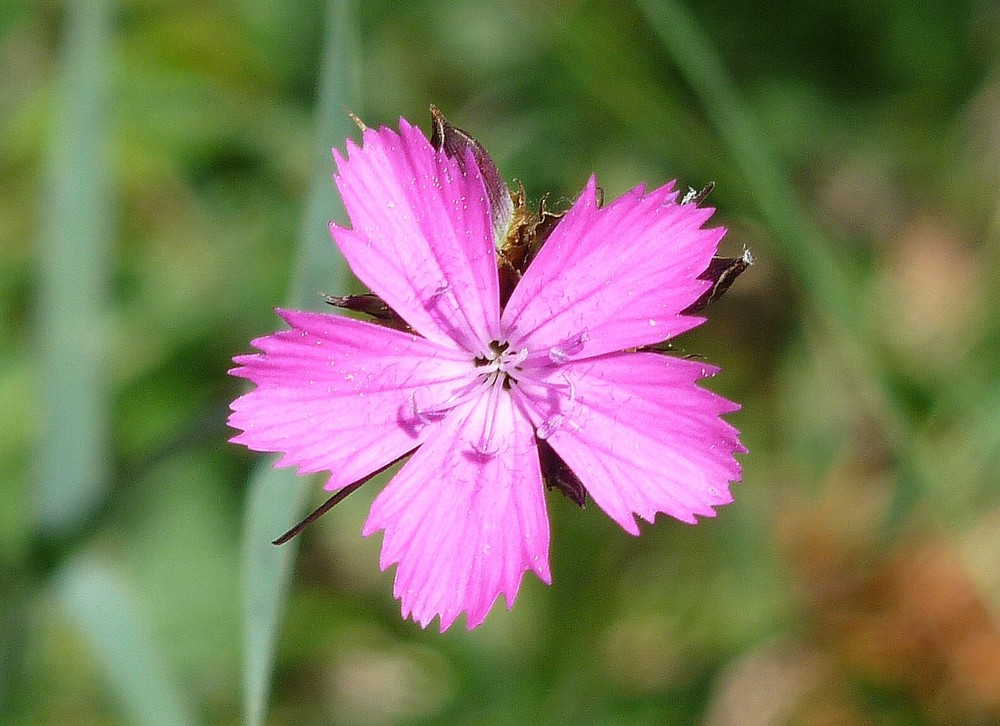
(616, 276)
(333, 393)
(422, 236)
(640, 434)
(462, 525)
(454, 142)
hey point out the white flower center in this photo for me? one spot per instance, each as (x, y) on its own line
(502, 364)
(496, 372)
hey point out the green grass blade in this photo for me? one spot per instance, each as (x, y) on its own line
(802, 245)
(91, 595)
(73, 251)
(275, 501)
(319, 266)
(823, 273)
(277, 497)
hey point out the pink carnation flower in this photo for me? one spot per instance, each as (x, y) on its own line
(510, 351)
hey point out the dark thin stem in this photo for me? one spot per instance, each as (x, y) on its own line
(319, 511)
(333, 501)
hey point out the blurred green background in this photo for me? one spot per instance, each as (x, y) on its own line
(164, 183)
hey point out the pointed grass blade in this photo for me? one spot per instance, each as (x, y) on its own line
(93, 597)
(277, 498)
(73, 253)
(824, 274)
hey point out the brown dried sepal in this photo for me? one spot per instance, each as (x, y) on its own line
(697, 197)
(456, 143)
(721, 272)
(526, 234)
(557, 475)
(371, 305)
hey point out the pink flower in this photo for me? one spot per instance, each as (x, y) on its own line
(496, 384)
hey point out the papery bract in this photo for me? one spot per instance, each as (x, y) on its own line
(473, 389)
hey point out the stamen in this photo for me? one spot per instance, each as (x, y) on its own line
(482, 450)
(441, 290)
(572, 390)
(570, 346)
(560, 392)
(521, 356)
(550, 426)
(512, 361)
(427, 415)
(452, 317)
(424, 415)
(486, 446)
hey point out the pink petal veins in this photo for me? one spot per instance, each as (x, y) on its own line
(475, 389)
(422, 236)
(640, 434)
(619, 274)
(464, 525)
(335, 394)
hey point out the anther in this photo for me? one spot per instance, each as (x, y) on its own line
(550, 426)
(570, 346)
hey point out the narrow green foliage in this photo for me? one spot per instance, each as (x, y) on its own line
(822, 273)
(278, 497)
(93, 596)
(73, 254)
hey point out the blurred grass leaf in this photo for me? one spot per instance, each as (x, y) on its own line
(802, 245)
(823, 273)
(94, 597)
(277, 497)
(73, 253)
